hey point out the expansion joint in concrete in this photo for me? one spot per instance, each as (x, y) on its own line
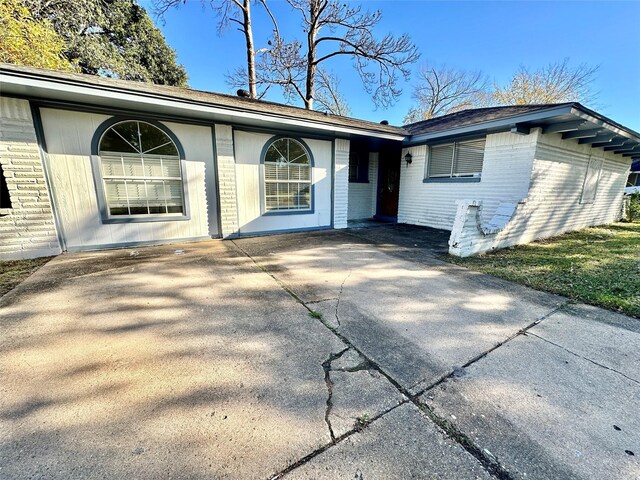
(584, 358)
(488, 461)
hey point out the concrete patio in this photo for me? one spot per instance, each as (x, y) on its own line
(202, 360)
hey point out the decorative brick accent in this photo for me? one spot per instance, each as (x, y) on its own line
(341, 185)
(27, 229)
(226, 180)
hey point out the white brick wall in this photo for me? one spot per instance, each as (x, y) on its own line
(363, 196)
(27, 230)
(226, 180)
(508, 160)
(553, 203)
(341, 185)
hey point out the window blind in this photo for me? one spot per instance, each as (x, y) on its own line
(456, 160)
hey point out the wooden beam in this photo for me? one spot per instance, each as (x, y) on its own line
(614, 142)
(617, 147)
(564, 126)
(520, 129)
(628, 149)
(592, 132)
(598, 138)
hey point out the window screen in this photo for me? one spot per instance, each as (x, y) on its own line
(141, 171)
(287, 176)
(456, 160)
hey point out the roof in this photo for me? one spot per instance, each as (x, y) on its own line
(572, 120)
(186, 95)
(474, 116)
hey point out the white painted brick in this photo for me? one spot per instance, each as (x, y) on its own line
(226, 180)
(553, 203)
(28, 230)
(341, 184)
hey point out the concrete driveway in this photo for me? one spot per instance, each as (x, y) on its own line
(202, 360)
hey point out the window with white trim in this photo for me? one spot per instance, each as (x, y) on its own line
(287, 176)
(456, 160)
(141, 171)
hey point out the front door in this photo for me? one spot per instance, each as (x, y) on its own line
(388, 186)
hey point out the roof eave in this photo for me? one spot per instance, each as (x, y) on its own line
(26, 83)
(492, 126)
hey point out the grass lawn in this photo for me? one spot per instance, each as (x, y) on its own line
(15, 271)
(598, 265)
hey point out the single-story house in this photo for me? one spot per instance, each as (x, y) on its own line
(92, 163)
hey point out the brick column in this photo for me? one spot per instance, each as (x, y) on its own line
(341, 184)
(226, 180)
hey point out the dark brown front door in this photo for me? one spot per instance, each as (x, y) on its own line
(388, 185)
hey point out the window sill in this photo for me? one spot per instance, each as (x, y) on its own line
(452, 180)
(5, 211)
(146, 219)
(287, 212)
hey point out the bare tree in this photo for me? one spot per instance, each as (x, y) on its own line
(228, 12)
(334, 29)
(328, 96)
(555, 83)
(441, 90)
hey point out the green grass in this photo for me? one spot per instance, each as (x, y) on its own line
(315, 314)
(598, 265)
(15, 271)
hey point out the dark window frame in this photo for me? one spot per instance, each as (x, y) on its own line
(358, 167)
(263, 180)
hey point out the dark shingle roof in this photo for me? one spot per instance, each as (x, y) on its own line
(474, 116)
(203, 97)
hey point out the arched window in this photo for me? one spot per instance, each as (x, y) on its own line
(287, 175)
(141, 171)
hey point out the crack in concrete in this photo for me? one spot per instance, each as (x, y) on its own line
(313, 302)
(584, 358)
(326, 365)
(344, 436)
(489, 463)
(340, 296)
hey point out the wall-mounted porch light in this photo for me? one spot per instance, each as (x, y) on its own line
(408, 158)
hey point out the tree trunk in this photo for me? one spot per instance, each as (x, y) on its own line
(311, 55)
(251, 60)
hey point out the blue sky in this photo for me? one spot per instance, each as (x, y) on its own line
(495, 37)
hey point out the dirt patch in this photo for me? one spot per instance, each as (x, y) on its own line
(13, 272)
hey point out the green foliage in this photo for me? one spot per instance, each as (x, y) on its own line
(598, 265)
(362, 421)
(114, 38)
(315, 314)
(27, 41)
(633, 208)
